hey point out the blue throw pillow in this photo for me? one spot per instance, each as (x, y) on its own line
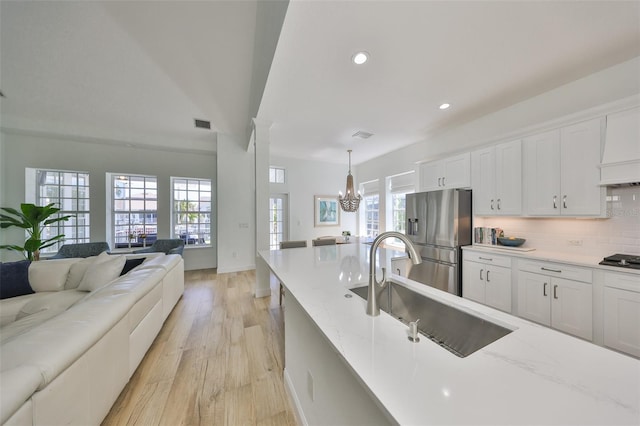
(14, 279)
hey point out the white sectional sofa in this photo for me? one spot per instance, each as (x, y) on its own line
(68, 350)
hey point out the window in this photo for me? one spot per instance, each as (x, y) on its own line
(277, 220)
(192, 210)
(398, 187)
(276, 175)
(369, 218)
(69, 191)
(371, 207)
(134, 210)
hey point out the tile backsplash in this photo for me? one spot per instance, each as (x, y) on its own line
(619, 233)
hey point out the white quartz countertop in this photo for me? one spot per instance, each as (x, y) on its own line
(534, 375)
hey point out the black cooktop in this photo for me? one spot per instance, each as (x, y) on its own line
(623, 261)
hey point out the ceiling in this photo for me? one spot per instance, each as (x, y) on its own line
(140, 71)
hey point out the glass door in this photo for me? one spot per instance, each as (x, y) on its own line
(278, 220)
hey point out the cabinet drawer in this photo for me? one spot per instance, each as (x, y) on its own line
(629, 282)
(487, 258)
(557, 270)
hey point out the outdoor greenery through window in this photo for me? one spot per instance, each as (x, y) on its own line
(134, 210)
(192, 210)
(276, 175)
(69, 191)
(398, 212)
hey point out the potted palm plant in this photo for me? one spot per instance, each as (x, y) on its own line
(33, 219)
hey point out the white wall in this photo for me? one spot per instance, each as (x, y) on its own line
(27, 149)
(236, 209)
(304, 180)
(612, 84)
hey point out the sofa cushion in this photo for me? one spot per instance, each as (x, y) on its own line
(131, 263)
(58, 301)
(18, 384)
(77, 271)
(101, 272)
(49, 275)
(14, 279)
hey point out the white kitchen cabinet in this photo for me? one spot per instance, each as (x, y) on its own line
(452, 172)
(622, 312)
(486, 278)
(621, 158)
(561, 173)
(496, 174)
(547, 297)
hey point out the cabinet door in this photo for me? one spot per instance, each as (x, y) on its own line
(497, 291)
(508, 178)
(622, 320)
(483, 174)
(457, 171)
(580, 169)
(431, 176)
(473, 281)
(533, 297)
(572, 307)
(541, 174)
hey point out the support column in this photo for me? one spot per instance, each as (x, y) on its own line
(261, 154)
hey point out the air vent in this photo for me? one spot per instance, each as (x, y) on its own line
(203, 124)
(362, 135)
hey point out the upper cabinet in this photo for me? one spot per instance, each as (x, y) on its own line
(452, 172)
(621, 157)
(561, 173)
(496, 174)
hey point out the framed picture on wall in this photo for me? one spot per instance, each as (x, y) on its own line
(327, 211)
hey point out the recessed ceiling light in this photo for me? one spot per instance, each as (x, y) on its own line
(444, 106)
(360, 58)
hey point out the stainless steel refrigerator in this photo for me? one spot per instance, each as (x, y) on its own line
(439, 223)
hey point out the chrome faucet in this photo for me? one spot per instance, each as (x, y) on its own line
(375, 287)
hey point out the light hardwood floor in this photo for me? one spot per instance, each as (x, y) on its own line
(218, 360)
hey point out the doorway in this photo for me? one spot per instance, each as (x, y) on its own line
(278, 220)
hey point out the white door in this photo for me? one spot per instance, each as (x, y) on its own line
(541, 173)
(572, 307)
(483, 168)
(622, 320)
(431, 176)
(533, 297)
(508, 178)
(498, 288)
(278, 220)
(580, 173)
(473, 281)
(457, 171)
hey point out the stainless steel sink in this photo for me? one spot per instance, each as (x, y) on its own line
(453, 329)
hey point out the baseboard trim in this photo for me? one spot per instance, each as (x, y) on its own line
(263, 292)
(293, 398)
(222, 270)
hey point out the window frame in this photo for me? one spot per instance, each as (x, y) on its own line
(175, 213)
(34, 194)
(275, 171)
(132, 238)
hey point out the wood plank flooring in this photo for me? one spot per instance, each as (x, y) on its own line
(218, 360)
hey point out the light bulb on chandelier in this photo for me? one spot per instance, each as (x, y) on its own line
(350, 202)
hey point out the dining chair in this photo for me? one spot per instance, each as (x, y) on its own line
(324, 242)
(289, 245)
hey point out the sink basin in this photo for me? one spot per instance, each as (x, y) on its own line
(455, 330)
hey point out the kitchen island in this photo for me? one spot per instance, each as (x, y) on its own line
(344, 367)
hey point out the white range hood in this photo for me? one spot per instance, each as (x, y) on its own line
(621, 157)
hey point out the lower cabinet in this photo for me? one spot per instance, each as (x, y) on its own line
(487, 279)
(564, 304)
(622, 313)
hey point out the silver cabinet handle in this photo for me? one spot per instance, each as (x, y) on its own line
(498, 203)
(555, 202)
(490, 259)
(492, 204)
(439, 179)
(481, 274)
(443, 184)
(488, 276)
(551, 270)
(544, 289)
(555, 291)
(564, 201)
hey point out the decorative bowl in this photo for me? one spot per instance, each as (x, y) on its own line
(511, 241)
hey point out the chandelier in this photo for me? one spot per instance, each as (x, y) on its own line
(350, 202)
